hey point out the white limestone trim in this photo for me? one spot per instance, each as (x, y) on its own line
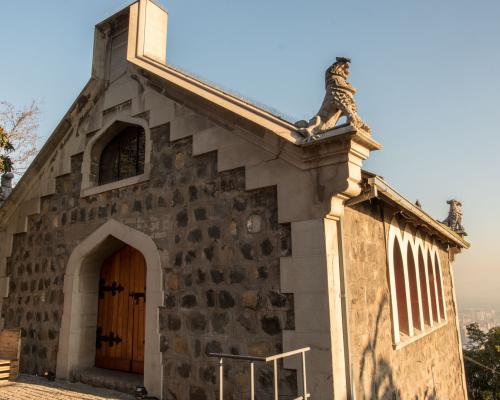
(394, 234)
(79, 318)
(415, 245)
(409, 340)
(90, 184)
(407, 238)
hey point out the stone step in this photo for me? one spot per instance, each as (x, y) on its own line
(114, 380)
(4, 368)
(4, 376)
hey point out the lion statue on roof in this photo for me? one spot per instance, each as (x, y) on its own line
(454, 219)
(338, 102)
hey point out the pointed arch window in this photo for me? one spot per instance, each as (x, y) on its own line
(416, 283)
(413, 284)
(399, 277)
(123, 156)
(432, 286)
(439, 287)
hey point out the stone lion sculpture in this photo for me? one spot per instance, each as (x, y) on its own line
(338, 102)
(454, 219)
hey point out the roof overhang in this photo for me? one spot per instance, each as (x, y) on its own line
(376, 187)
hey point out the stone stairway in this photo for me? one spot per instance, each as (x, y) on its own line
(4, 370)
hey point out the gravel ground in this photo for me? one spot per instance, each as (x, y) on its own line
(37, 388)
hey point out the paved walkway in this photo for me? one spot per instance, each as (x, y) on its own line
(35, 388)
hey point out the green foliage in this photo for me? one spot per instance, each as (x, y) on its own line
(482, 363)
(5, 148)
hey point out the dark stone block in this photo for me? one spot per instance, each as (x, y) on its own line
(266, 247)
(173, 322)
(247, 251)
(225, 299)
(210, 298)
(193, 193)
(209, 253)
(190, 256)
(214, 232)
(246, 322)
(197, 322)
(217, 276)
(209, 375)
(290, 320)
(182, 218)
(271, 325)
(177, 198)
(149, 201)
(237, 276)
(197, 393)
(170, 301)
(277, 299)
(219, 321)
(213, 347)
(200, 214)
(163, 344)
(184, 370)
(178, 259)
(189, 301)
(195, 236)
(188, 280)
(103, 212)
(239, 204)
(197, 348)
(74, 216)
(200, 276)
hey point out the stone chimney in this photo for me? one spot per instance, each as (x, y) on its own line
(112, 35)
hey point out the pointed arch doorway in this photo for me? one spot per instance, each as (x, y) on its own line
(77, 337)
(121, 312)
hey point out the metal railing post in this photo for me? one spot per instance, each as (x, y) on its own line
(252, 360)
(221, 378)
(304, 375)
(252, 381)
(275, 379)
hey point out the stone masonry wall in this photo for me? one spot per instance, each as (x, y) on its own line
(430, 367)
(221, 282)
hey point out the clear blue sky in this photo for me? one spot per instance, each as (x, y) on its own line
(427, 73)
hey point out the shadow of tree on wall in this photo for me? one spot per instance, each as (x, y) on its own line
(378, 371)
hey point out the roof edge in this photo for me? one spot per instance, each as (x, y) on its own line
(379, 188)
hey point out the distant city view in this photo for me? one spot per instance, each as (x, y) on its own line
(484, 317)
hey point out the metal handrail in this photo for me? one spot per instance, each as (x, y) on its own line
(253, 359)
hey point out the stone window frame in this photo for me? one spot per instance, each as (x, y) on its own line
(412, 242)
(92, 154)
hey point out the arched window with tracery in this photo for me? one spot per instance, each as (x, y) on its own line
(432, 288)
(424, 290)
(412, 281)
(399, 278)
(123, 156)
(439, 286)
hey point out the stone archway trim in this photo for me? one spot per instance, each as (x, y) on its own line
(77, 335)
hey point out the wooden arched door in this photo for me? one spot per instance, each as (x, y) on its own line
(120, 319)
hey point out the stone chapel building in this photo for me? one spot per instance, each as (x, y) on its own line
(165, 219)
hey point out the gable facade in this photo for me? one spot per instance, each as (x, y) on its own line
(248, 244)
